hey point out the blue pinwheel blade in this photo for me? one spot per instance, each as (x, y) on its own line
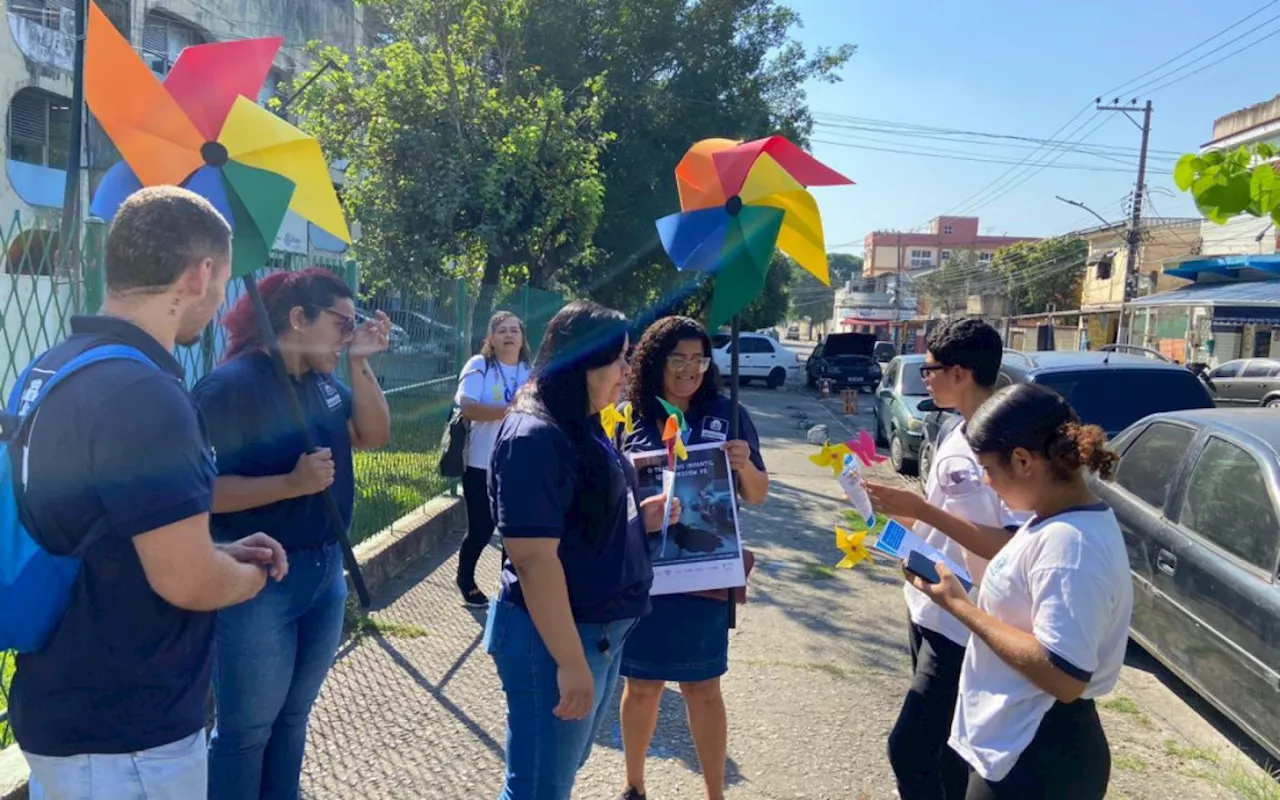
(207, 182)
(693, 239)
(116, 186)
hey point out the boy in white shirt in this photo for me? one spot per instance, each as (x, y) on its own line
(960, 371)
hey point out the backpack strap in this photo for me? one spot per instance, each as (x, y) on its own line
(107, 352)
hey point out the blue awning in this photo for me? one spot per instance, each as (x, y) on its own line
(1240, 294)
(1233, 267)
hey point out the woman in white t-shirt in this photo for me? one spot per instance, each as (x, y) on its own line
(486, 387)
(1051, 620)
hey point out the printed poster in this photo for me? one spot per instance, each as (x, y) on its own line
(703, 551)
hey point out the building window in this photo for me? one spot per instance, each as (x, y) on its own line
(163, 38)
(57, 14)
(985, 258)
(921, 258)
(947, 230)
(944, 256)
(1104, 268)
(39, 127)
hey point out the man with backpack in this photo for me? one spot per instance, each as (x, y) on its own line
(112, 474)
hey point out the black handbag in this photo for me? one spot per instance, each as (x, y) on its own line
(453, 445)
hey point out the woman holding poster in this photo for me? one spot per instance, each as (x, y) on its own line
(686, 637)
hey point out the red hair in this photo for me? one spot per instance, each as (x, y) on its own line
(313, 289)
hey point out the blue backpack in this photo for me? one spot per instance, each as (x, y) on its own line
(36, 585)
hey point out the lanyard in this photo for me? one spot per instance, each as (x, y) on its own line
(509, 387)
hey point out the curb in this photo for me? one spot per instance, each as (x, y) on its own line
(382, 558)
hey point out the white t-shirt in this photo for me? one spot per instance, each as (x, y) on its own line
(1066, 580)
(492, 384)
(956, 486)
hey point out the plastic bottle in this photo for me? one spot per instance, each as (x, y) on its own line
(850, 479)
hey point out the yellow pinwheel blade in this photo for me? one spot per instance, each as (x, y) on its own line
(257, 138)
(801, 234)
(765, 178)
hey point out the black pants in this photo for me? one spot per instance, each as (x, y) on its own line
(475, 492)
(925, 767)
(1068, 759)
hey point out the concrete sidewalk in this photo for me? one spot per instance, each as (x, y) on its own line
(818, 667)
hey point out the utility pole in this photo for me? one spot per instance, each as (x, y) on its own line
(69, 252)
(1135, 221)
(897, 299)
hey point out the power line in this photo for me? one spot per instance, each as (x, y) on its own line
(961, 156)
(1215, 62)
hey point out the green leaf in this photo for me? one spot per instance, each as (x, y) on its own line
(1264, 151)
(1264, 188)
(1184, 174)
(1213, 158)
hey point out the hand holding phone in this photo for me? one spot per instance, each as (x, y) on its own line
(922, 567)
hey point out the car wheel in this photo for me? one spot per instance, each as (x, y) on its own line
(777, 377)
(897, 454)
(811, 381)
(1273, 402)
(926, 459)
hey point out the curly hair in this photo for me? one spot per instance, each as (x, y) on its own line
(649, 363)
(1040, 421)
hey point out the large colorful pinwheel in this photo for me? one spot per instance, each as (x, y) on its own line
(201, 129)
(738, 201)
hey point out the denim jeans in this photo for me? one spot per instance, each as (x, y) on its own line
(544, 752)
(273, 653)
(174, 771)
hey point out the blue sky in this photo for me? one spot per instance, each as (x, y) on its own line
(1021, 68)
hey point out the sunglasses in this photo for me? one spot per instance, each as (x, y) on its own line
(681, 363)
(348, 324)
(925, 369)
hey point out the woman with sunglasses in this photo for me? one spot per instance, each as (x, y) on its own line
(686, 637)
(1051, 620)
(486, 388)
(274, 651)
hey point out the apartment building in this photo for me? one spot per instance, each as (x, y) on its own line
(947, 237)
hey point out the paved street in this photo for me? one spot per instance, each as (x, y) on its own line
(817, 669)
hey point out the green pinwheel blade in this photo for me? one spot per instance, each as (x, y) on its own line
(259, 200)
(744, 262)
(672, 411)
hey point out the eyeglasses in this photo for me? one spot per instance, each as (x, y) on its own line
(925, 369)
(681, 363)
(348, 324)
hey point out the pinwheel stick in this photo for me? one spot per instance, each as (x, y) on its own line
(735, 327)
(300, 420)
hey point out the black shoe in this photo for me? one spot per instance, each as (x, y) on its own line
(474, 598)
(631, 794)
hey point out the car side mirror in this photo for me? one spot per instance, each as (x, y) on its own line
(928, 405)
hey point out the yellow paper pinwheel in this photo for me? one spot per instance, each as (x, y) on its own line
(831, 456)
(611, 418)
(854, 547)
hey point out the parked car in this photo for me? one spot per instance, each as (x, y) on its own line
(1111, 388)
(898, 416)
(934, 417)
(760, 357)
(423, 334)
(1197, 494)
(1247, 382)
(884, 352)
(847, 360)
(793, 333)
(397, 339)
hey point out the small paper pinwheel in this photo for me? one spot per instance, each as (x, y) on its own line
(611, 418)
(202, 129)
(864, 447)
(738, 200)
(831, 456)
(854, 547)
(673, 434)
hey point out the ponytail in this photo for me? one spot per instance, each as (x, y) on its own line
(1075, 446)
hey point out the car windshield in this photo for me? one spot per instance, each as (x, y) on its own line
(719, 340)
(1115, 399)
(913, 381)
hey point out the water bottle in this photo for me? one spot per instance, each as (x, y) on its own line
(850, 479)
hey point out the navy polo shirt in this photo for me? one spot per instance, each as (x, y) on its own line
(120, 442)
(534, 480)
(709, 423)
(254, 435)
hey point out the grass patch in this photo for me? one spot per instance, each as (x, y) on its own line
(1129, 763)
(393, 481)
(1251, 784)
(6, 675)
(1121, 704)
(1190, 753)
(816, 571)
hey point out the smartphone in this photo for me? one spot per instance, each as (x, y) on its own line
(922, 566)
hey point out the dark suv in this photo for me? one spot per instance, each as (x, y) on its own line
(1111, 388)
(846, 359)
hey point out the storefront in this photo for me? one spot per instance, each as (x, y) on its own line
(1212, 321)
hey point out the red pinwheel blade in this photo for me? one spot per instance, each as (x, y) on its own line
(734, 163)
(207, 78)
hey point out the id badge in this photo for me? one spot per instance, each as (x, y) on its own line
(633, 511)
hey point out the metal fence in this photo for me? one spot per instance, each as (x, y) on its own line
(432, 337)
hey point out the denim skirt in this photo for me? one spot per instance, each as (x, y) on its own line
(685, 638)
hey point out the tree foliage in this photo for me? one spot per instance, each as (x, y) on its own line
(1228, 184)
(463, 159)
(948, 287)
(1037, 275)
(844, 267)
